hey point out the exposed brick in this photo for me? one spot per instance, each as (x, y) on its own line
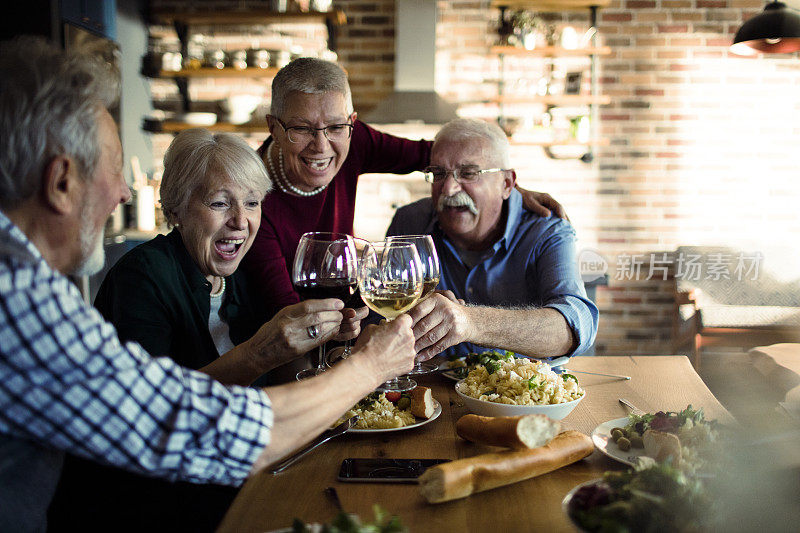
(616, 17)
(673, 28)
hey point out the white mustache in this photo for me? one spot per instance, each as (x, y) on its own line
(459, 199)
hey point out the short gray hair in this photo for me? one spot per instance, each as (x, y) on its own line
(462, 129)
(49, 105)
(196, 153)
(311, 76)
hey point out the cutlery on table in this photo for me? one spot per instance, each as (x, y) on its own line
(323, 438)
(630, 406)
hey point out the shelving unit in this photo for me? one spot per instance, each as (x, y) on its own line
(184, 21)
(171, 126)
(207, 72)
(551, 52)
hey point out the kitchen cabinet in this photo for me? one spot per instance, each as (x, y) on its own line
(566, 99)
(186, 21)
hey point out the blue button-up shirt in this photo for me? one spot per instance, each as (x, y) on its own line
(534, 263)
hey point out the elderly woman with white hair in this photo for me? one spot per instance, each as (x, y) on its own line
(181, 295)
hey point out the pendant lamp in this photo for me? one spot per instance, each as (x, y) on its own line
(774, 31)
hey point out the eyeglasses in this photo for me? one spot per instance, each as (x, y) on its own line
(461, 175)
(304, 134)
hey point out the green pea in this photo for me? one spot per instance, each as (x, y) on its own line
(624, 444)
(404, 403)
(616, 434)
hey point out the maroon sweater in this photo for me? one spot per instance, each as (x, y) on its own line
(284, 218)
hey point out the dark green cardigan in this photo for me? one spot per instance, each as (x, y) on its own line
(155, 295)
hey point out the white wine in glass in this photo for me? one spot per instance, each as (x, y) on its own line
(390, 280)
(430, 276)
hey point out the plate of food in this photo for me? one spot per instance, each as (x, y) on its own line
(520, 386)
(657, 497)
(685, 438)
(458, 367)
(381, 412)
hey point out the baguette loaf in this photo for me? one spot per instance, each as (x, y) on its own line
(422, 405)
(460, 478)
(518, 432)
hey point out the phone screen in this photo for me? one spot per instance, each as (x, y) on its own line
(385, 470)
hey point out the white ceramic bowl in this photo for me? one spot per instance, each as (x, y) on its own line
(198, 119)
(482, 407)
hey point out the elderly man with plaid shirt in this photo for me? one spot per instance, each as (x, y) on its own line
(67, 384)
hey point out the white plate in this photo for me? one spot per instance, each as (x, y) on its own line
(436, 412)
(558, 361)
(601, 437)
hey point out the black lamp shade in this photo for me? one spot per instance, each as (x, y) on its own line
(775, 31)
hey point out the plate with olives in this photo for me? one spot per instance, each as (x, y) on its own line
(612, 439)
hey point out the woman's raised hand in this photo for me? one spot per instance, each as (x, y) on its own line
(298, 328)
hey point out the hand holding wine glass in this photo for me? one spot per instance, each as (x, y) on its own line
(390, 280)
(430, 272)
(324, 267)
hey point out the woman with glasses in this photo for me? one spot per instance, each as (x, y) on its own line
(316, 151)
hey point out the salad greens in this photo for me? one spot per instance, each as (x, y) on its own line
(488, 359)
(351, 523)
(653, 498)
(699, 438)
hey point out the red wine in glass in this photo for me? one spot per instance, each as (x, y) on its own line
(341, 288)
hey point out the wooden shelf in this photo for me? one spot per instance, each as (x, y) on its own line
(551, 51)
(249, 17)
(550, 5)
(228, 72)
(169, 126)
(568, 142)
(554, 100)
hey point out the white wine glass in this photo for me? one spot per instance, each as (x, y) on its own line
(390, 280)
(325, 266)
(430, 274)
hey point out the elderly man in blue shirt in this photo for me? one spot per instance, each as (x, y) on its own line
(510, 277)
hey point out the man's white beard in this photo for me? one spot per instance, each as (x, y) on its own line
(93, 255)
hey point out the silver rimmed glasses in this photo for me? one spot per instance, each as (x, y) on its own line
(304, 134)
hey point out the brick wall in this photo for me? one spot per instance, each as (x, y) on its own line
(701, 144)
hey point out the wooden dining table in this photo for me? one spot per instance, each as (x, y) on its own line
(268, 502)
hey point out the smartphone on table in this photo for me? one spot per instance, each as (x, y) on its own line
(384, 470)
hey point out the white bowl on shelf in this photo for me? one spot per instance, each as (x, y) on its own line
(198, 119)
(556, 411)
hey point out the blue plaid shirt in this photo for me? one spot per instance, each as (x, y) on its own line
(532, 264)
(68, 384)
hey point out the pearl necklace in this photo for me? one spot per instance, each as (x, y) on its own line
(282, 181)
(221, 290)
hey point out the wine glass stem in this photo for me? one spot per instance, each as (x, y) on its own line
(321, 362)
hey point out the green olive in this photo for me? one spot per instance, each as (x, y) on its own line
(636, 441)
(404, 403)
(624, 444)
(616, 434)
